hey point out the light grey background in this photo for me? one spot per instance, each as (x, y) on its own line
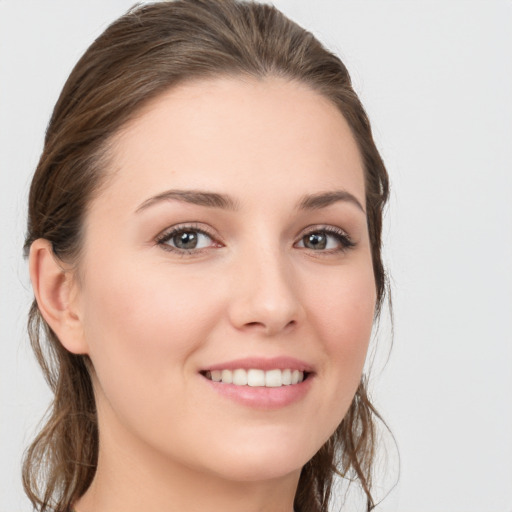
(436, 79)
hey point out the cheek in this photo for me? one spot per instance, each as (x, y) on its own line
(149, 303)
(344, 305)
(141, 327)
(344, 313)
(349, 316)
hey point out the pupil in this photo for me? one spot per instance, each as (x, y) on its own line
(315, 241)
(186, 240)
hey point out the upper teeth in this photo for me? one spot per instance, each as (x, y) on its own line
(255, 377)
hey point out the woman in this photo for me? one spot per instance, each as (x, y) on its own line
(204, 243)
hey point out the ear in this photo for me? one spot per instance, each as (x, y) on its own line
(56, 293)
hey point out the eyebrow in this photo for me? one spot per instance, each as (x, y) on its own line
(324, 199)
(225, 202)
(208, 199)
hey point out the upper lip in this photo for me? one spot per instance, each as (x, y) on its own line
(260, 363)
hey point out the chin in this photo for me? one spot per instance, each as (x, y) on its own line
(260, 461)
(259, 471)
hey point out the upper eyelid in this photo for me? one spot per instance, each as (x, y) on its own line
(213, 234)
(199, 226)
(187, 227)
(167, 234)
(344, 238)
(323, 227)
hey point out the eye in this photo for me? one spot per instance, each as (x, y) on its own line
(329, 239)
(185, 239)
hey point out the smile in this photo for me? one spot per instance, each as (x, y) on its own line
(254, 377)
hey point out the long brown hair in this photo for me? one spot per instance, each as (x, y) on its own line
(145, 52)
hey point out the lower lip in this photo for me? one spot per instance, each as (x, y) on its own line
(263, 397)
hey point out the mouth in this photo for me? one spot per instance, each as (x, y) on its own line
(261, 383)
(256, 377)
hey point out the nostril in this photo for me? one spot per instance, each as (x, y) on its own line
(255, 325)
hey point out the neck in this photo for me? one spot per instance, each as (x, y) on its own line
(184, 490)
(131, 477)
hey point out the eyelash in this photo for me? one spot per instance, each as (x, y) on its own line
(167, 235)
(344, 240)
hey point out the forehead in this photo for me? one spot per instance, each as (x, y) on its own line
(240, 136)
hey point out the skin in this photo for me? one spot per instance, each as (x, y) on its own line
(150, 319)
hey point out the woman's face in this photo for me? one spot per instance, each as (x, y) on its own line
(231, 236)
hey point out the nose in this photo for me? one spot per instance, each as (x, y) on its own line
(264, 296)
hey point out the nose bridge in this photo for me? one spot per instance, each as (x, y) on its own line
(265, 295)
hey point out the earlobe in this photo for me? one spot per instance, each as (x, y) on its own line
(56, 295)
